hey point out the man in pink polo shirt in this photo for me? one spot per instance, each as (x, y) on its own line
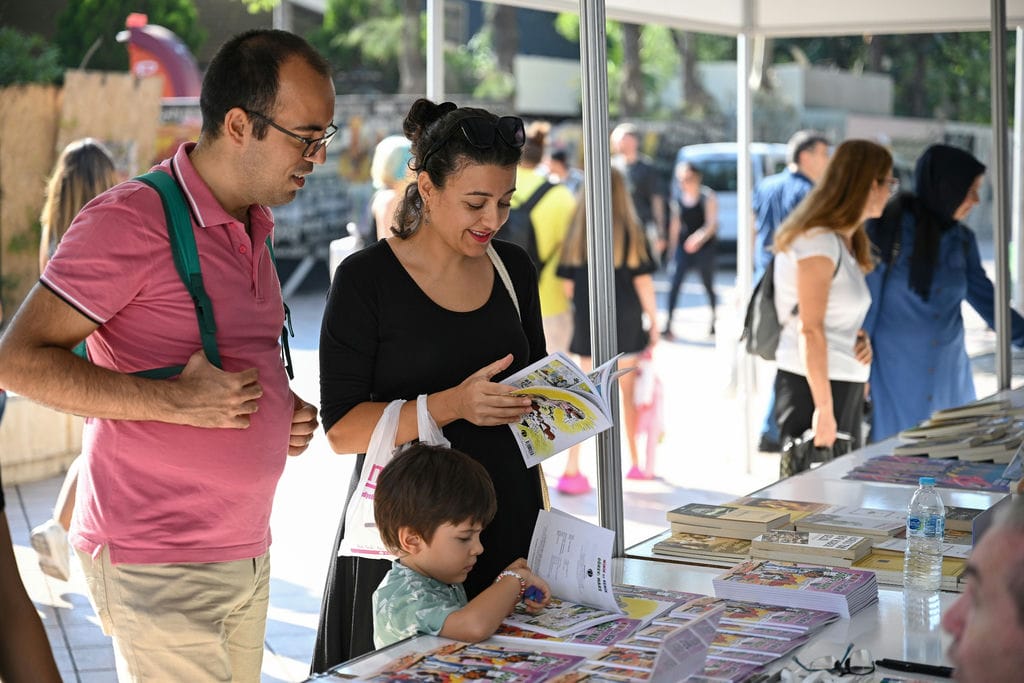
(172, 519)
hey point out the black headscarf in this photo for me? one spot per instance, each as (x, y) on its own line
(943, 176)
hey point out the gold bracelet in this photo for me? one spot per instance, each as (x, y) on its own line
(522, 581)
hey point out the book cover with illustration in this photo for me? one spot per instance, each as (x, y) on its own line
(560, 618)
(949, 474)
(888, 568)
(797, 509)
(752, 615)
(875, 527)
(461, 662)
(835, 589)
(812, 543)
(703, 547)
(568, 406)
(727, 516)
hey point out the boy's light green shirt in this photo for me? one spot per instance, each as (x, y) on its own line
(407, 602)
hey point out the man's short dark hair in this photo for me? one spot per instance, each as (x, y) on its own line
(802, 141)
(244, 73)
(424, 487)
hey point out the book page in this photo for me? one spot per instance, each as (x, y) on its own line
(574, 557)
(566, 408)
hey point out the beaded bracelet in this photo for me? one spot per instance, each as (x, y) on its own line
(522, 581)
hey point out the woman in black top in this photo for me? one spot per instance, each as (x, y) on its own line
(425, 312)
(691, 237)
(634, 297)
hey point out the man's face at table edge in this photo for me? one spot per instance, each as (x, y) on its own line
(987, 621)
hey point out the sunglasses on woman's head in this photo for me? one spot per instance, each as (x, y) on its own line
(483, 132)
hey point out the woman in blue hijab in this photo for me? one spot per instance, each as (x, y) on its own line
(929, 264)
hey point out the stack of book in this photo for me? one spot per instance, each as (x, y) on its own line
(730, 521)
(982, 431)
(879, 525)
(842, 590)
(702, 549)
(835, 550)
(750, 635)
(887, 566)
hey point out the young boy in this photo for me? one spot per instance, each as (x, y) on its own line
(430, 506)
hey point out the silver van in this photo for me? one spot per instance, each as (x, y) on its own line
(717, 162)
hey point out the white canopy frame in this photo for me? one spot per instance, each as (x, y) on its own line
(747, 19)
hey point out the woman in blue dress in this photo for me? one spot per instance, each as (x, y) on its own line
(929, 264)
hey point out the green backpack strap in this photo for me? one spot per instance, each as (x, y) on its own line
(186, 260)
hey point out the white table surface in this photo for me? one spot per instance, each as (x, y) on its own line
(882, 628)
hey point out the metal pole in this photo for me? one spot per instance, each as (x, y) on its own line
(282, 15)
(1018, 149)
(435, 50)
(597, 197)
(744, 227)
(1000, 205)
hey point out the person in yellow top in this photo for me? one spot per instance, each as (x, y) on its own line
(551, 217)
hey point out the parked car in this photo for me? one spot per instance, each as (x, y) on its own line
(717, 162)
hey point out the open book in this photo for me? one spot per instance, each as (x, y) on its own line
(569, 406)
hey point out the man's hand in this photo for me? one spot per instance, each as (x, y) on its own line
(210, 397)
(304, 423)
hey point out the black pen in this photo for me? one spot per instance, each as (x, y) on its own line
(915, 667)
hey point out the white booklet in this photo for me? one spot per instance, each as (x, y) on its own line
(569, 406)
(574, 558)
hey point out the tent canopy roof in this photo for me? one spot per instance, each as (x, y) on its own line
(799, 17)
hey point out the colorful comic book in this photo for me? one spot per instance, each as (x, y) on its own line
(568, 405)
(833, 589)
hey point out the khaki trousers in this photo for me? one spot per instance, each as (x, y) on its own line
(182, 622)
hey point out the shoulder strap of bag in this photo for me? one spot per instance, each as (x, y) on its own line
(537, 195)
(505, 279)
(839, 261)
(186, 261)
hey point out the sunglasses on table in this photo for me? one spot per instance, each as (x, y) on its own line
(483, 132)
(855, 662)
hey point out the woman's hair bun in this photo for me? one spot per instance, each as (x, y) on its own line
(422, 114)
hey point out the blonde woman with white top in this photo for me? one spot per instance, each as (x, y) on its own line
(822, 255)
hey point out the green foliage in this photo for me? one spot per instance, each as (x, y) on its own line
(27, 59)
(362, 39)
(83, 22)
(257, 6)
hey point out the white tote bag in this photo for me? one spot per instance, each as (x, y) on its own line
(361, 536)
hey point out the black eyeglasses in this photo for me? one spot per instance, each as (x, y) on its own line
(482, 132)
(313, 145)
(857, 663)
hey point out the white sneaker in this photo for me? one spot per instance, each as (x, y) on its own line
(51, 544)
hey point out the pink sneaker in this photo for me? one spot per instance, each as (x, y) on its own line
(636, 473)
(573, 484)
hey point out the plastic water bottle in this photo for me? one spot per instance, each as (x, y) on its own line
(926, 523)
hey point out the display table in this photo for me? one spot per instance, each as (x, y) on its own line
(825, 484)
(891, 628)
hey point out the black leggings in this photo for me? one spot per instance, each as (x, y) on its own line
(704, 260)
(794, 406)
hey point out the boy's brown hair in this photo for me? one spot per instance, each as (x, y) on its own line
(424, 487)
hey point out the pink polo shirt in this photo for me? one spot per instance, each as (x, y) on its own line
(155, 492)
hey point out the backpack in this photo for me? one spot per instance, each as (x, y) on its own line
(761, 326)
(519, 228)
(186, 261)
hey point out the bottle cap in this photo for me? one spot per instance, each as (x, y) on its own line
(926, 481)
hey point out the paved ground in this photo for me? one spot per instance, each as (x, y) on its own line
(702, 458)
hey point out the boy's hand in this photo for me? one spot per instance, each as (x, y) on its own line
(538, 594)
